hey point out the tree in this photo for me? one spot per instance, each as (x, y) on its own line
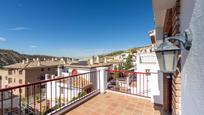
(120, 67)
(128, 64)
(115, 74)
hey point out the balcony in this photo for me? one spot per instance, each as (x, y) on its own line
(117, 104)
(122, 92)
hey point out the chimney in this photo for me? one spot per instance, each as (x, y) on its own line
(97, 59)
(38, 61)
(62, 59)
(27, 60)
(52, 59)
(33, 59)
(92, 60)
(105, 60)
(56, 59)
(44, 59)
(23, 62)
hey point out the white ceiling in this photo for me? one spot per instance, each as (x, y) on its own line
(159, 8)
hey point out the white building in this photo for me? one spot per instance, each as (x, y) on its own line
(147, 62)
(67, 89)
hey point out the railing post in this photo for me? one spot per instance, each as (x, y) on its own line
(102, 79)
(59, 71)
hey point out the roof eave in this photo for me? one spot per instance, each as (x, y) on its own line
(159, 9)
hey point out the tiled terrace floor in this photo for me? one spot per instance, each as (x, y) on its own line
(116, 104)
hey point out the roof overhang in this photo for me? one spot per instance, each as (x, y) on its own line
(159, 9)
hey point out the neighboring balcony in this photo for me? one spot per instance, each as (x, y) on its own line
(121, 92)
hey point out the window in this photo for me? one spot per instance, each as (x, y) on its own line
(9, 80)
(6, 78)
(42, 69)
(14, 80)
(0, 77)
(48, 69)
(42, 77)
(20, 81)
(147, 72)
(21, 72)
(10, 72)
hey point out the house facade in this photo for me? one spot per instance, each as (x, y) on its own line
(183, 92)
(27, 72)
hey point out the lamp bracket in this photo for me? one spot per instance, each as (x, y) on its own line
(185, 38)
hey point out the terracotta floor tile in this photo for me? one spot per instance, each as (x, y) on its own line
(116, 104)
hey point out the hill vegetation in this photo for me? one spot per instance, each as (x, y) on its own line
(133, 50)
(8, 57)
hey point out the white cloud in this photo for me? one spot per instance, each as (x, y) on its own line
(18, 28)
(33, 46)
(2, 39)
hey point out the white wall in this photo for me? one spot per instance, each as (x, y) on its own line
(53, 90)
(155, 81)
(141, 67)
(192, 89)
(80, 71)
(159, 35)
(185, 17)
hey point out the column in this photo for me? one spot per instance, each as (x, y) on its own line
(102, 77)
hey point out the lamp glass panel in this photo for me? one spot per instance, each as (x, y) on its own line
(169, 61)
(176, 60)
(160, 59)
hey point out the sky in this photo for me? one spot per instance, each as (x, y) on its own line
(74, 28)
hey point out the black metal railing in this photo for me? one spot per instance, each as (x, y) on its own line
(47, 96)
(134, 83)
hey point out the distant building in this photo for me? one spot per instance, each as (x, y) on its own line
(27, 72)
(147, 62)
(71, 87)
(82, 67)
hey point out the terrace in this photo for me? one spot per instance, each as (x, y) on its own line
(107, 91)
(117, 104)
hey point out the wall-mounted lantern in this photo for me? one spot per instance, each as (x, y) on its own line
(167, 52)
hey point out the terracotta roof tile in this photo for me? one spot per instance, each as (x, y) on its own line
(34, 64)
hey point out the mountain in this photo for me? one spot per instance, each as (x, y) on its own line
(8, 57)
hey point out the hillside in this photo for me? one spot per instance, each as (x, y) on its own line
(8, 57)
(133, 50)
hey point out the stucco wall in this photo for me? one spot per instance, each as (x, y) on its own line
(192, 92)
(155, 80)
(185, 17)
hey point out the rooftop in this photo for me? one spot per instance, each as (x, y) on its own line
(88, 65)
(34, 64)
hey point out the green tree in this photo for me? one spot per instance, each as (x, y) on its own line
(116, 74)
(128, 64)
(120, 67)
